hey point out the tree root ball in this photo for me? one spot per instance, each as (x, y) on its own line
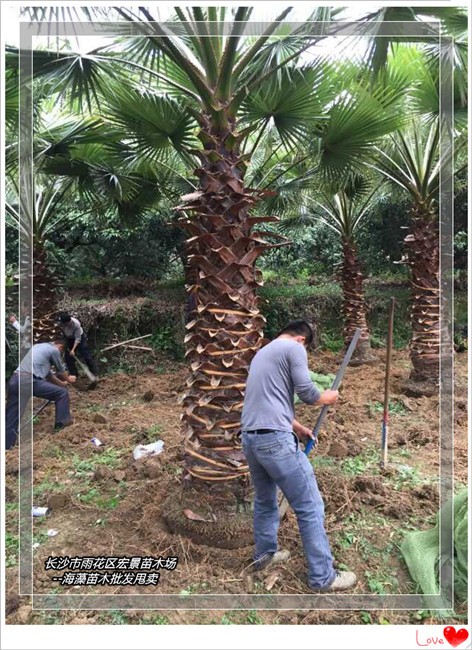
(231, 529)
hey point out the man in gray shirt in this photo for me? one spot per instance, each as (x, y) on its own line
(35, 373)
(277, 372)
(76, 343)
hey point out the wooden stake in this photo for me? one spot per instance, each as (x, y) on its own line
(116, 345)
(391, 312)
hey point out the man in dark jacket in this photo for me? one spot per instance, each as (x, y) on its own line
(76, 344)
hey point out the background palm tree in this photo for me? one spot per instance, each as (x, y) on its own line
(412, 161)
(344, 212)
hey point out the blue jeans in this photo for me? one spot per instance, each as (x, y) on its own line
(275, 459)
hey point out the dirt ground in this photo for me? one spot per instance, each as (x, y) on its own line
(104, 503)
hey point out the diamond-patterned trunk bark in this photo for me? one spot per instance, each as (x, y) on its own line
(354, 305)
(422, 246)
(228, 327)
(44, 298)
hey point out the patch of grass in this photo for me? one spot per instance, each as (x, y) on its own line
(365, 463)
(54, 451)
(109, 503)
(253, 618)
(160, 620)
(121, 367)
(404, 453)
(193, 589)
(332, 341)
(381, 582)
(322, 461)
(11, 506)
(347, 539)
(92, 495)
(360, 531)
(407, 476)
(50, 619)
(226, 620)
(45, 486)
(118, 617)
(89, 496)
(366, 618)
(84, 466)
(40, 537)
(396, 407)
(151, 434)
(11, 549)
(172, 469)
(164, 340)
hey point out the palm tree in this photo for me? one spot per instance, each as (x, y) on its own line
(412, 161)
(214, 100)
(344, 213)
(80, 165)
(196, 81)
(50, 197)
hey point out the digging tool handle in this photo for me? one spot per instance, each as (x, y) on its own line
(336, 383)
(84, 368)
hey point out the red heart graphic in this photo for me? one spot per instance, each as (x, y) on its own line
(455, 638)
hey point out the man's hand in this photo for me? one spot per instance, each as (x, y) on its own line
(71, 379)
(72, 352)
(328, 397)
(12, 318)
(304, 433)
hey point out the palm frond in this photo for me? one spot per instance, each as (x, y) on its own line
(154, 121)
(291, 103)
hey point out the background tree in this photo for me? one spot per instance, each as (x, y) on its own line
(344, 213)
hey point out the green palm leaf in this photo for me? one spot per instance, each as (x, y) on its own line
(154, 122)
(290, 101)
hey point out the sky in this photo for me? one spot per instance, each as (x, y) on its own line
(333, 46)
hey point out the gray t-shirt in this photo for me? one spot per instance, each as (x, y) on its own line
(277, 372)
(40, 358)
(73, 329)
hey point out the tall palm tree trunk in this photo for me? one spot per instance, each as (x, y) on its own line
(354, 305)
(44, 298)
(422, 246)
(228, 327)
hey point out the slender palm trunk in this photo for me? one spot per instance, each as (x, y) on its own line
(228, 327)
(422, 245)
(354, 305)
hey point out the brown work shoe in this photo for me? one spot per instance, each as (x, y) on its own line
(344, 580)
(279, 557)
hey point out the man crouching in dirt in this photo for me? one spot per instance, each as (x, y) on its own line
(273, 453)
(36, 368)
